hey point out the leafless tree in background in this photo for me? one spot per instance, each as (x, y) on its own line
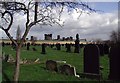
(114, 37)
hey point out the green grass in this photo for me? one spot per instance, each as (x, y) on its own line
(37, 72)
(0, 77)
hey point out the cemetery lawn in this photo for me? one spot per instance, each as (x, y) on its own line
(37, 71)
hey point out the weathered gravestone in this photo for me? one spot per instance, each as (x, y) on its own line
(68, 70)
(43, 49)
(114, 57)
(91, 59)
(28, 45)
(68, 48)
(58, 46)
(51, 65)
(66, 45)
(52, 45)
(77, 46)
(101, 49)
(3, 44)
(106, 49)
(81, 45)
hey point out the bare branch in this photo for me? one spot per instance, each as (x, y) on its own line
(36, 8)
(27, 28)
(11, 21)
(8, 34)
(33, 23)
(2, 28)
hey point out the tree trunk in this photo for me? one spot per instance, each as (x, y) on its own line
(17, 65)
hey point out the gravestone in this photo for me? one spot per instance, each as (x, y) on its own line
(68, 70)
(68, 48)
(51, 65)
(114, 57)
(77, 46)
(101, 49)
(28, 45)
(3, 44)
(91, 59)
(66, 45)
(58, 46)
(3, 56)
(106, 49)
(43, 49)
(81, 45)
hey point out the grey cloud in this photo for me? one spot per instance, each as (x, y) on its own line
(88, 26)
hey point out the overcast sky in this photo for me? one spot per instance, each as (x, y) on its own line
(95, 26)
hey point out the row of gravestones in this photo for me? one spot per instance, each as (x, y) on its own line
(91, 62)
(58, 47)
(104, 49)
(66, 69)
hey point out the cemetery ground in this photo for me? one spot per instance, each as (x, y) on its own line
(38, 72)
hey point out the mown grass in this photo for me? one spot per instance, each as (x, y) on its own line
(37, 72)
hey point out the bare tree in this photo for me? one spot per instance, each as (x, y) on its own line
(98, 41)
(115, 35)
(42, 13)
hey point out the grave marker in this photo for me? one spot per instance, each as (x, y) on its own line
(77, 46)
(91, 59)
(51, 65)
(68, 70)
(43, 49)
(68, 48)
(28, 45)
(114, 57)
(106, 49)
(101, 49)
(58, 46)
